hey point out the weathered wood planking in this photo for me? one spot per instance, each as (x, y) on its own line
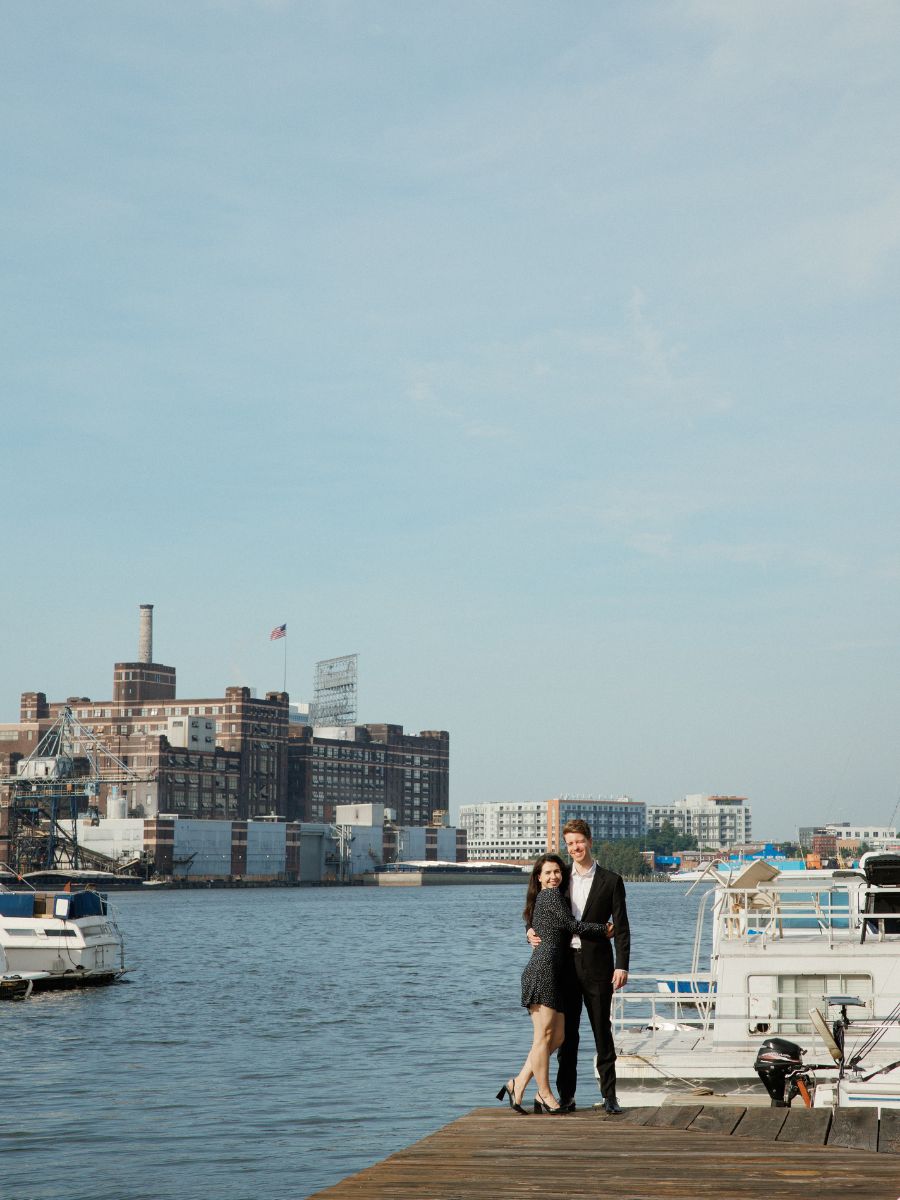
(764, 1123)
(807, 1126)
(718, 1119)
(636, 1116)
(855, 1128)
(674, 1116)
(889, 1132)
(493, 1155)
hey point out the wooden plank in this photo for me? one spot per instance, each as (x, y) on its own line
(762, 1123)
(675, 1116)
(754, 1100)
(806, 1126)
(717, 1119)
(856, 1128)
(637, 1116)
(889, 1132)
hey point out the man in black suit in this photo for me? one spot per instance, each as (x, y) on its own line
(595, 894)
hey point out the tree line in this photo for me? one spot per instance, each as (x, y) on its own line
(625, 858)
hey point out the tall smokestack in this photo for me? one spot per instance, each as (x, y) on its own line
(145, 649)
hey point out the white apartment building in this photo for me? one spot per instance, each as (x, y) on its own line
(610, 818)
(715, 821)
(873, 833)
(504, 832)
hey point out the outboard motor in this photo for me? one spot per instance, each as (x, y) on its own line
(778, 1061)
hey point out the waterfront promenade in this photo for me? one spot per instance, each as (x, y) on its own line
(670, 1153)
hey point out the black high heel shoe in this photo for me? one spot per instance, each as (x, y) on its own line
(541, 1106)
(509, 1089)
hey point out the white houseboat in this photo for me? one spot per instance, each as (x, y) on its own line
(808, 959)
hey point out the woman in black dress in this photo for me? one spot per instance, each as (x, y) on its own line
(547, 911)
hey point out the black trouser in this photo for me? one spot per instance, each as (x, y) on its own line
(594, 994)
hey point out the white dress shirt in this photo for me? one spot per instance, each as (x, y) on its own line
(579, 886)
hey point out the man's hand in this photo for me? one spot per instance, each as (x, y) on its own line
(620, 978)
(533, 939)
(610, 930)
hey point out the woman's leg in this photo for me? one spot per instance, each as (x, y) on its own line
(522, 1080)
(558, 1031)
(546, 1023)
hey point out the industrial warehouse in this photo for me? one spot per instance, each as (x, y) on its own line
(233, 787)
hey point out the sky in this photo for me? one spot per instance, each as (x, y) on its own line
(544, 355)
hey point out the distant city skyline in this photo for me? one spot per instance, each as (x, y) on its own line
(544, 356)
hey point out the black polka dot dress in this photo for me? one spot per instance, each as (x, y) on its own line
(554, 924)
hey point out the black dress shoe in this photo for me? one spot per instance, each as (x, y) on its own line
(611, 1105)
(567, 1105)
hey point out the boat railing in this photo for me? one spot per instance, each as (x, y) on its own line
(770, 911)
(688, 1005)
(659, 1014)
(703, 909)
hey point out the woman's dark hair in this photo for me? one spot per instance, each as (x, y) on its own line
(534, 883)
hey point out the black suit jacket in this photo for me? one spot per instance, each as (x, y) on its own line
(605, 902)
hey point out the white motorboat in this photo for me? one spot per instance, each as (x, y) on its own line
(57, 939)
(703, 870)
(791, 954)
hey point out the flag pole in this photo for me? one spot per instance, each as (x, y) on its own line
(280, 631)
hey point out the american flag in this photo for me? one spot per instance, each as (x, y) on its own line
(279, 631)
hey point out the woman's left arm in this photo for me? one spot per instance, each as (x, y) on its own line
(560, 915)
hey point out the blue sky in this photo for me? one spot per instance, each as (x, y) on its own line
(544, 354)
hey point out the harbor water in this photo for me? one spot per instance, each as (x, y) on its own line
(269, 1042)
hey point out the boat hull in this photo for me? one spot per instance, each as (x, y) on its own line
(76, 979)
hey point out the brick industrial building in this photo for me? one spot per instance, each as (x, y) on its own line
(237, 757)
(373, 764)
(222, 757)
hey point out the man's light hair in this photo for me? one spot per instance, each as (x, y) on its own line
(576, 825)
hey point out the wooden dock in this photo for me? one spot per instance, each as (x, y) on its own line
(683, 1152)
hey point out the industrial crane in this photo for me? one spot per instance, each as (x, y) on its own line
(60, 780)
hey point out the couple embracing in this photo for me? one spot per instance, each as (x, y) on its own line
(571, 917)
